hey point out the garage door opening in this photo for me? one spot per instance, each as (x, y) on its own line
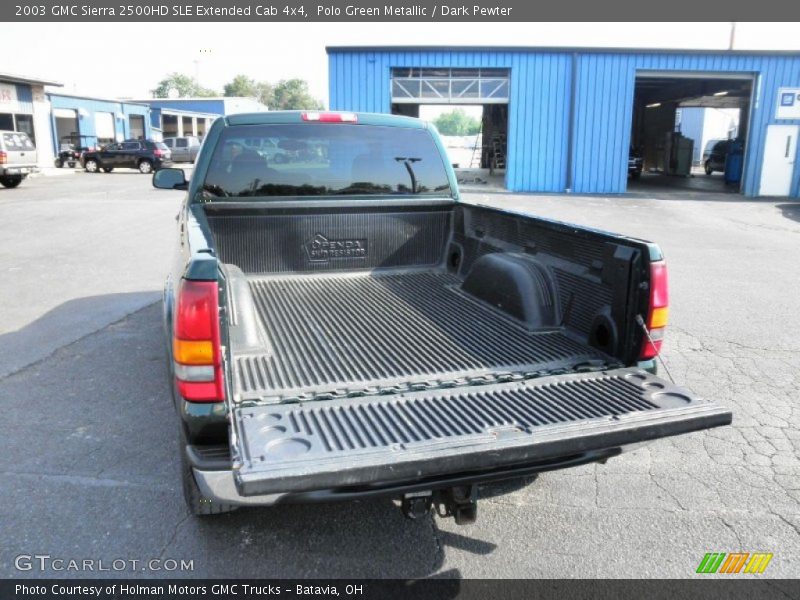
(105, 128)
(169, 125)
(136, 125)
(689, 131)
(68, 130)
(474, 97)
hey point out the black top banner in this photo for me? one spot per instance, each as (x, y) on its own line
(395, 11)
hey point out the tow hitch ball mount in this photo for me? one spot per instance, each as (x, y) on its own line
(460, 502)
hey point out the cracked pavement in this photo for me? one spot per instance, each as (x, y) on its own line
(89, 467)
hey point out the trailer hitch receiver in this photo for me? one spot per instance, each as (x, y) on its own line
(460, 502)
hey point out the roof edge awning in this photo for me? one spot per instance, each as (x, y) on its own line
(11, 78)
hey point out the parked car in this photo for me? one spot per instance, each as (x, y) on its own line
(269, 149)
(183, 149)
(71, 147)
(635, 163)
(350, 329)
(18, 158)
(145, 155)
(715, 155)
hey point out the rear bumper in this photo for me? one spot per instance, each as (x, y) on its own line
(219, 485)
(18, 170)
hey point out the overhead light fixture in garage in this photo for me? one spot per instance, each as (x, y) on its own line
(654, 105)
(723, 93)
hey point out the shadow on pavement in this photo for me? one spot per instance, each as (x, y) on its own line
(790, 210)
(64, 324)
(90, 469)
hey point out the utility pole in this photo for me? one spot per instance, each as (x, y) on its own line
(203, 52)
(733, 36)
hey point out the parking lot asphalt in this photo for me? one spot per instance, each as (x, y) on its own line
(89, 465)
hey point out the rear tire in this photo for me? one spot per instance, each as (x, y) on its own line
(708, 168)
(108, 169)
(11, 181)
(145, 167)
(90, 166)
(198, 505)
(59, 163)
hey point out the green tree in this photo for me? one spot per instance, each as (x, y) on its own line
(293, 94)
(242, 85)
(457, 122)
(184, 86)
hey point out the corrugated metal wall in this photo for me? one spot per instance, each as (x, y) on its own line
(539, 111)
(24, 99)
(92, 106)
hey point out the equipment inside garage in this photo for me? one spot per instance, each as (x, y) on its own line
(67, 124)
(486, 87)
(676, 154)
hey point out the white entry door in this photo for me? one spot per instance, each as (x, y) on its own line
(780, 151)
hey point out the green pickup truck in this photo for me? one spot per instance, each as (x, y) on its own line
(340, 325)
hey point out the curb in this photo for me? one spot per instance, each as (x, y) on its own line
(54, 172)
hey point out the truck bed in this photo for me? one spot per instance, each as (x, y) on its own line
(367, 332)
(376, 336)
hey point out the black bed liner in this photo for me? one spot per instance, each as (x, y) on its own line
(366, 332)
(412, 436)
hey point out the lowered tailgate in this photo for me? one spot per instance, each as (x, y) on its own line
(407, 437)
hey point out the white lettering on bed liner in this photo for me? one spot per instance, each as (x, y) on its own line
(322, 249)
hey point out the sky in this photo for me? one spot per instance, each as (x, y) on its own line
(215, 52)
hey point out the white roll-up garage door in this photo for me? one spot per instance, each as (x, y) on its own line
(104, 126)
(65, 113)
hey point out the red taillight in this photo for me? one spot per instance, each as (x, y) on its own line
(196, 349)
(330, 117)
(157, 152)
(3, 157)
(658, 312)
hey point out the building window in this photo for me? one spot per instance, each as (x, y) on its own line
(450, 86)
(25, 124)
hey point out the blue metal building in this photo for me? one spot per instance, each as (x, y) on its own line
(221, 105)
(573, 113)
(172, 117)
(102, 120)
(173, 122)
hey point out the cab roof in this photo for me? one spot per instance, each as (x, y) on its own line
(296, 116)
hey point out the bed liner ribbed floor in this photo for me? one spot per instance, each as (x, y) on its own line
(366, 332)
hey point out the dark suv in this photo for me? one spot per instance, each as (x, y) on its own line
(145, 155)
(715, 155)
(635, 163)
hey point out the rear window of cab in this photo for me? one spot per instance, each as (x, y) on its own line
(325, 159)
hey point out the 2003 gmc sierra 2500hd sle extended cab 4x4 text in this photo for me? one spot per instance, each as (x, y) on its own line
(340, 325)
